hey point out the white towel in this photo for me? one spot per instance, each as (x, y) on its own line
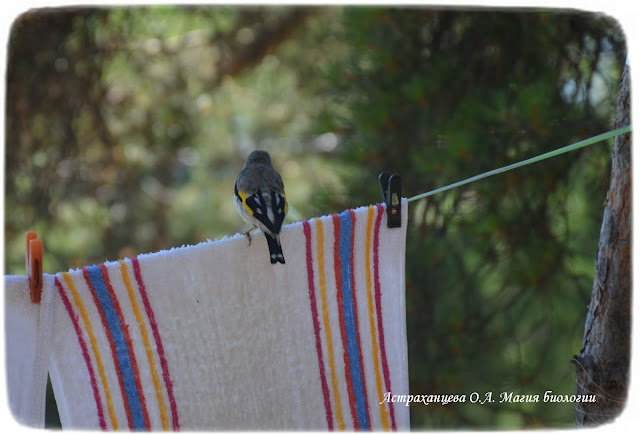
(214, 337)
(28, 331)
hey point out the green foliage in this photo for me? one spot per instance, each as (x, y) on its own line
(126, 127)
(498, 271)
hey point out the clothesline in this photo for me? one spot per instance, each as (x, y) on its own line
(566, 149)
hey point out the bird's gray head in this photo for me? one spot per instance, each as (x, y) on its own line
(259, 156)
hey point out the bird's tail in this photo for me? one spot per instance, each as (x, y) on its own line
(275, 250)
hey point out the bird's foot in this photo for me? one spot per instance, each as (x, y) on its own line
(248, 234)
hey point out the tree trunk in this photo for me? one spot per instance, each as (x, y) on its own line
(602, 367)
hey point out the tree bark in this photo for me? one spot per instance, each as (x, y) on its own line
(602, 367)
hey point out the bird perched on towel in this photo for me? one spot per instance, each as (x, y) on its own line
(260, 200)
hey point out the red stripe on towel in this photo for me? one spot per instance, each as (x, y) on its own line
(85, 354)
(355, 312)
(316, 325)
(383, 351)
(127, 337)
(112, 345)
(343, 331)
(156, 336)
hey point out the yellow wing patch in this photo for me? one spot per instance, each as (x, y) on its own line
(243, 198)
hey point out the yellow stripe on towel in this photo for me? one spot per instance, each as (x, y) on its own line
(147, 345)
(94, 346)
(327, 323)
(372, 325)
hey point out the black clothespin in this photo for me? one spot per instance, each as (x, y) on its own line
(391, 189)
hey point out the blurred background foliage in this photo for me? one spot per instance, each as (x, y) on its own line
(126, 127)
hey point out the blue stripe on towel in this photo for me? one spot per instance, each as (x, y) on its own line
(122, 351)
(346, 239)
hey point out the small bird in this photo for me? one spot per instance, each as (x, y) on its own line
(260, 200)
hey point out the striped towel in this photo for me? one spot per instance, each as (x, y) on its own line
(194, 339)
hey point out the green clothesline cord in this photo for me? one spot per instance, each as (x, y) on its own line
(572, 147)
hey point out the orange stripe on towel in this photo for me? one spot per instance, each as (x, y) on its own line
(322, 283)
(147, 345)
(316, 324)
(77, 300)
(384, 417)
